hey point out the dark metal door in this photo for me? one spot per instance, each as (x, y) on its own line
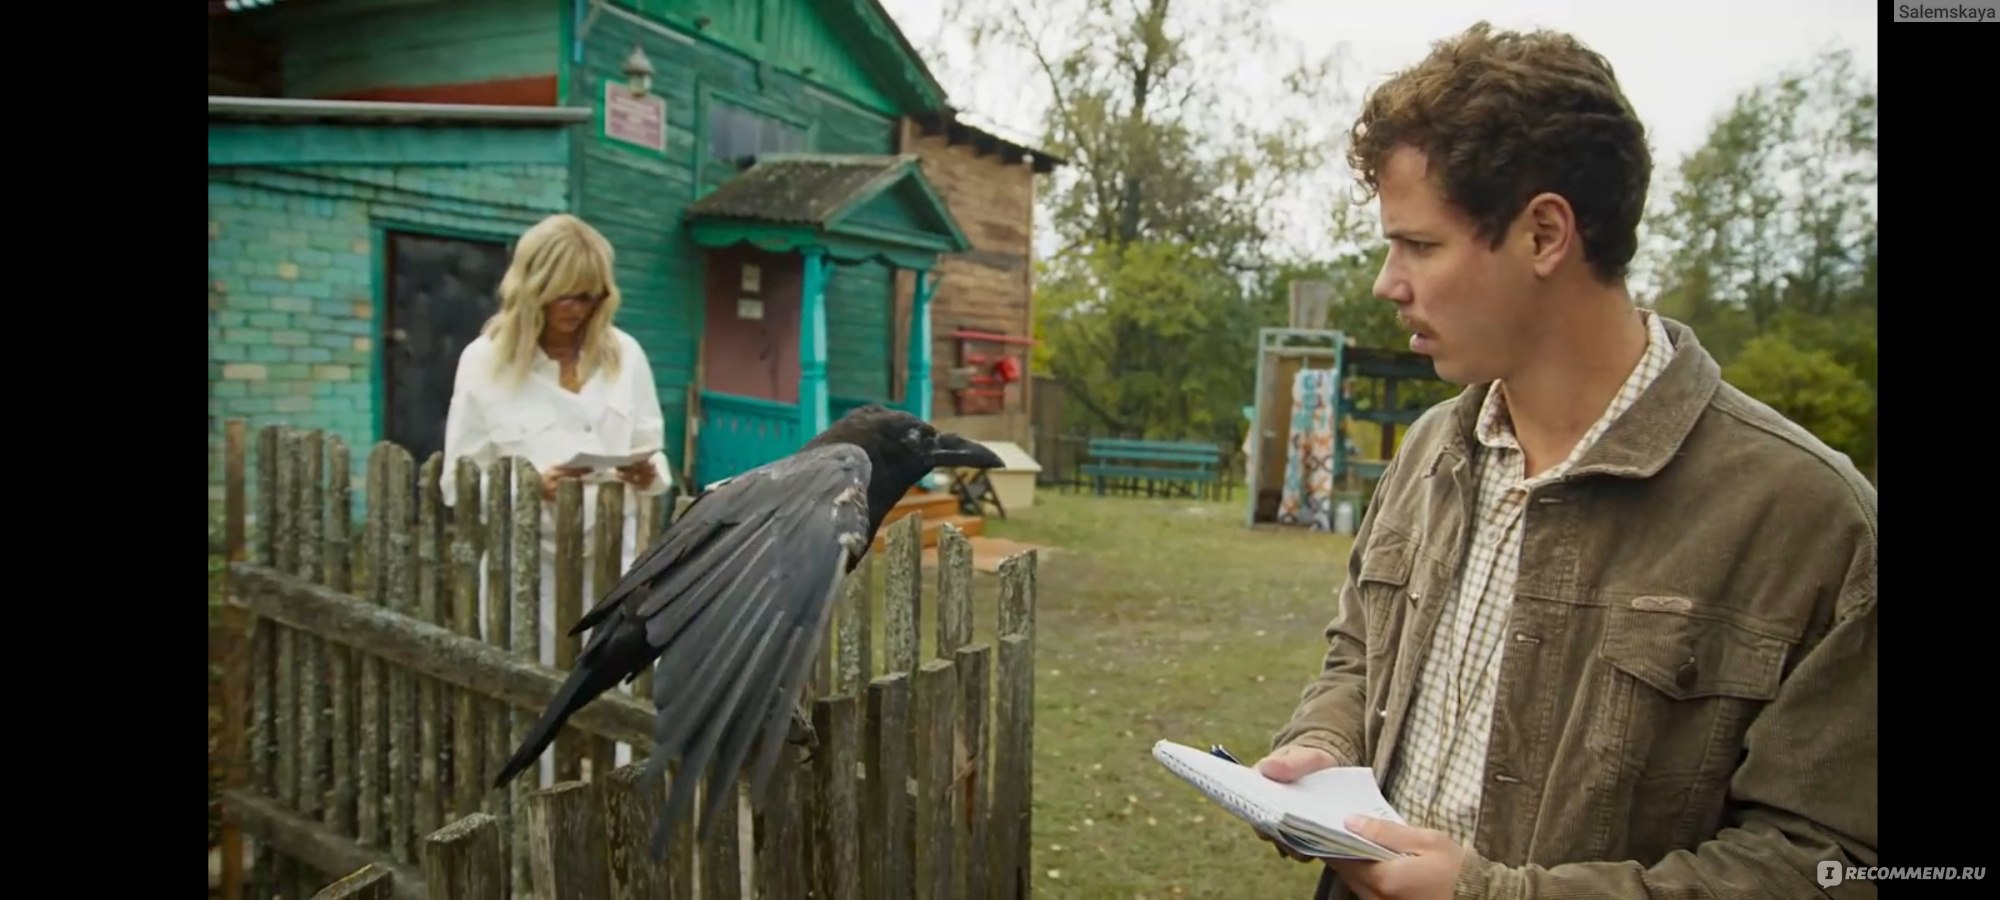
(440, 291)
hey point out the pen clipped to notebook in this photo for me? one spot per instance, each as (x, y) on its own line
(1217, 751)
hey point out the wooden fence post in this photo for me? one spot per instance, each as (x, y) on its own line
(837, 854)
(568, 743)
(463, 860)
(1013, 733)
(933, 719)
(566, 841)
(236, 623)
(630, 803)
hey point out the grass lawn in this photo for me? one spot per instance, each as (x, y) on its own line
(1163, 619)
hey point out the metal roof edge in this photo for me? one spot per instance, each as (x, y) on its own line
(226, 107)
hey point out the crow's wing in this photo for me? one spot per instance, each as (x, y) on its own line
(736, 594)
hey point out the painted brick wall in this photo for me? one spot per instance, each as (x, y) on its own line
(292, 316)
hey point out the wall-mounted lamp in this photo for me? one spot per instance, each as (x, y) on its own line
(638, 72)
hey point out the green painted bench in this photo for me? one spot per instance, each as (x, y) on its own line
(1190, 468)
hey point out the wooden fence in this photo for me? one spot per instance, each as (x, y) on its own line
(365, 714)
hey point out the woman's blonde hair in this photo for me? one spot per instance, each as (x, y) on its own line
(560, 256)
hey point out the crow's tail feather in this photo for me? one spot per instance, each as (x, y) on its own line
(591, 677)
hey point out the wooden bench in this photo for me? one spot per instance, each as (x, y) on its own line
(1191, 469)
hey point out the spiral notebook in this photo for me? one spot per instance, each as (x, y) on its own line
(1307, 815)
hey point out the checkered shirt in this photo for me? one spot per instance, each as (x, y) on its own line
(1443, 753)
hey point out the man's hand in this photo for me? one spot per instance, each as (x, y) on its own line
(1291, 764)
(553, 474)
(1428, 873)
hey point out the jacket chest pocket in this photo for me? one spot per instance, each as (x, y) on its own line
(1671, 704)
(1682, 687)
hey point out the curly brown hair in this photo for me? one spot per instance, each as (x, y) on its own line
(1503, 116)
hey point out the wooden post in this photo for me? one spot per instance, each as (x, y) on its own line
(462, 861)
(279, 537)
(341, 674)
(722, 852)
(885, 808)
(431, 589)
(813, 399)
(400, 575)
(371, 782)
(855, 646)
(903, 603)
(630, 803)
(1010, 871)
(917, 377)
(235, 665)
(972, 771)
(524, 558)
(566, 842)
(467, 756)
(837, 857)
(608, 565)
(954, 600)
(783, 852)
(569, 602)
(933, 719)
(498, 545)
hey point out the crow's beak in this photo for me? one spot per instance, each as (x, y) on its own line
(954, 451)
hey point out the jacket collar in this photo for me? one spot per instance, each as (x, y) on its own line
(1643, 440)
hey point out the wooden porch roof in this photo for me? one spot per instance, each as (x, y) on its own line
(853, 208)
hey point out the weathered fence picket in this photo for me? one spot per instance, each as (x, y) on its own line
(370, 696)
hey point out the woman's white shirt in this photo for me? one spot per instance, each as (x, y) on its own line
(535, 418)
(613, 413)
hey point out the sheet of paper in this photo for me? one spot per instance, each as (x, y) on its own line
(600, 461)
(1346, 790)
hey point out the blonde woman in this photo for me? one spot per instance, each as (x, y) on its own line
(550, 377)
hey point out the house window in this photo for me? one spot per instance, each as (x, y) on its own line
(735, 134)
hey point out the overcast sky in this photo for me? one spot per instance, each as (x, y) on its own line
(1680, 63)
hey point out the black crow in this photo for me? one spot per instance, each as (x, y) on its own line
(733, 599)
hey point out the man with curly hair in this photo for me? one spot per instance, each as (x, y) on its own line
(1608, 627)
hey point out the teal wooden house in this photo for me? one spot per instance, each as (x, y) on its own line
(765, 169)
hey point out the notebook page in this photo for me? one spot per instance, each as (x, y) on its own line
(1331, 795)
(1327, 797)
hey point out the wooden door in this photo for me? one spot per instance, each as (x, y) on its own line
(751, 337)
(440, 291)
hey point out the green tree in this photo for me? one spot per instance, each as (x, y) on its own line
(1155, 330)
(1765, 241)
(1811, 388)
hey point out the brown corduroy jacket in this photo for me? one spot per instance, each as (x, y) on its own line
(1686, 704)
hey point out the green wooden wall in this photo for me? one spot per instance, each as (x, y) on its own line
(637, 198)
(361, 45)
(794, 36)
